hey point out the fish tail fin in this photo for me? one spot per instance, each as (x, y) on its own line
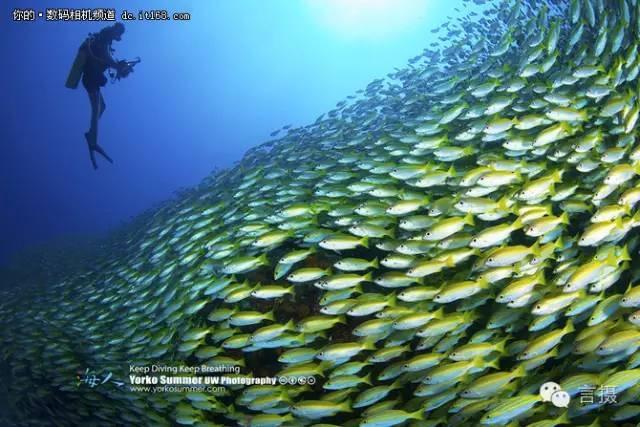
(542, 279)
(535, 249)
(519, 372)
(417, 415)
(618, 223)
(346, 406)
(369, 344)
(392, 299)
(568, 328)
(483, 282)
(517, 224)
(495, 364)
(290, 325)
(612, 260)
(323, 366)
(557, 175)
(367, 379)
(503, 204)
(468, 219)
(500, 346)
(263, 259)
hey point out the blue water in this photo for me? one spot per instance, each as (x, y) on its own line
(206, 91)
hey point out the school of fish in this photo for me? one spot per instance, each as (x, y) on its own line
(428, 253)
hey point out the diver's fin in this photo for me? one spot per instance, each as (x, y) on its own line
(101, 151)
(91, 155)
(93, 158)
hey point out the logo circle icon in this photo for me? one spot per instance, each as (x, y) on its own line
(560, 399)
(547, 389)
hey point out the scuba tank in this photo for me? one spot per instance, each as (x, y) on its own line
(73, 78)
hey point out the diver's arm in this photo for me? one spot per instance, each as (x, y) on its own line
(102, 54)
(110, 61)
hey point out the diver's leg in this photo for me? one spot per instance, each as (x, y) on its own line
(90, 136)
(94, 99)
(103, 106)
(97, 108)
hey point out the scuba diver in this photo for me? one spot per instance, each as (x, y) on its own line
(93, 59)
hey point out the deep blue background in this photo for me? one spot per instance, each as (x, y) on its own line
(206, 90)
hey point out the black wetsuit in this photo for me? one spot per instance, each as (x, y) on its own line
(98, 49)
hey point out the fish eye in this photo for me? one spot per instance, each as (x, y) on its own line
(538, 307)
(491, 259)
